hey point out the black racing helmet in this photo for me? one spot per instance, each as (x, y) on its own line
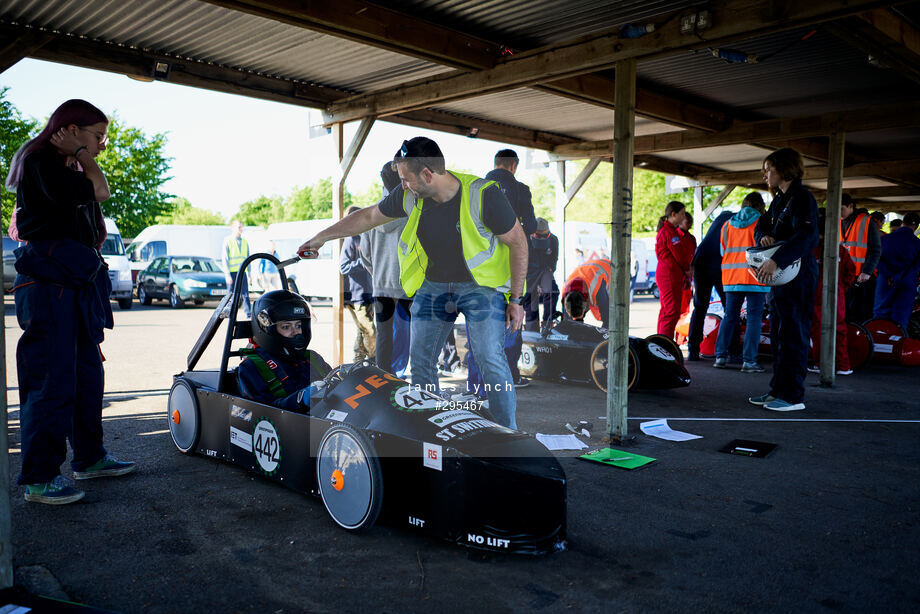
(279, 306)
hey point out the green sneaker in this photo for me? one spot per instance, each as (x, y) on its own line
(56, 492)
(108, 466)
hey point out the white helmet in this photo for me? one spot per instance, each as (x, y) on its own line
(756, 256)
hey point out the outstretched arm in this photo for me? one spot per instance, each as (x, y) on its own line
(348, 226)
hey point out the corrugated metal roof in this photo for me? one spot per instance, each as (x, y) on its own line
(537, 110)
(208, 33)
(525, 24)
(821, 74)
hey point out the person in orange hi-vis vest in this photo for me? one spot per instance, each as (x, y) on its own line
(588, 288)
(861, 239)
(740, 285)
(846, 275)
(672, 270)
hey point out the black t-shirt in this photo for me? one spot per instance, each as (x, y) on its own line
(439, 229)
(55, 201)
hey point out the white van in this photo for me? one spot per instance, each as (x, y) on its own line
(113, 252)
(311, 278)
(184, 240)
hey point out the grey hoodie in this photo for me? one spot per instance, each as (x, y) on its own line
(379, 254)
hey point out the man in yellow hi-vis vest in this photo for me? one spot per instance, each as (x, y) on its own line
(235, 251)
(462, 251)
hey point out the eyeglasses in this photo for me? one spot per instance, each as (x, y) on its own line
(101, 138)
(404, 150)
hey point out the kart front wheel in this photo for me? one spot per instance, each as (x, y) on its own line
(183, 415)
(598, 367)
(349, 477)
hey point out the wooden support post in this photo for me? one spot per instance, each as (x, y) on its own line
(620, 244)
(718, 201)
(698, 214)
(346, 160)
(338, 210)
(561, 204)
(6, 538)
(830, 256)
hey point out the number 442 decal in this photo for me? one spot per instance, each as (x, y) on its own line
(266, 446)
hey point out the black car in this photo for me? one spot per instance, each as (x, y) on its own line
(180, 279)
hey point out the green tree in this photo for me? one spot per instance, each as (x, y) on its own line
(14, 131)
(259, 211)
(184, 213)
(136, 168)
(543, 197)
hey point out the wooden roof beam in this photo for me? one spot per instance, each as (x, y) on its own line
(133, 62)
(874, 118)
(732, 20)
(21, 45)
(905, 169)
(888, 38)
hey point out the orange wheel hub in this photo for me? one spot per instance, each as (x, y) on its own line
(175, 416)
(338, 480)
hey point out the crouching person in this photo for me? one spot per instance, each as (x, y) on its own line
(278, 369)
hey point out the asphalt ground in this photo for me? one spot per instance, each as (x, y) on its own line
(827, 522)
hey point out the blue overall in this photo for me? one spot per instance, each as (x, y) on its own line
(898, 269)
(792, 217)
(62, 305)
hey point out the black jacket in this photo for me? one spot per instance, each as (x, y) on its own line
(518, 194)
(792, 217)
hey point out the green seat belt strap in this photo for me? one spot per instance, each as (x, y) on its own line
(267, 373)
(315, 363)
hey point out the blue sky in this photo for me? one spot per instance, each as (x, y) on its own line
(228, 149)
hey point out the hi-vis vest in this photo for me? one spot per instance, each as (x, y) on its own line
(236, 254)
(856, 240)
(736, 273)
(593, 273)
(274, 374)
(487, 258)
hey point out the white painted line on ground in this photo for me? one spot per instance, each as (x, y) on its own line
(778, 420)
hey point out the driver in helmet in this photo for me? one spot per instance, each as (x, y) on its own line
(278, 369)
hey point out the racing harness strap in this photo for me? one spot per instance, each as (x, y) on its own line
(274, 374)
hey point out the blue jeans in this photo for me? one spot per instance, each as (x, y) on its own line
(244, 296)
(733, 301)
(434, 309)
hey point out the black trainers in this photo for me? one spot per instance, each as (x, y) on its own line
(108, 466)
(522, 382)
(56, 492)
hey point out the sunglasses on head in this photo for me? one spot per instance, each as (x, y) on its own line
(404, 150)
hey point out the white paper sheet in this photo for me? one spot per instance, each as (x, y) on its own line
(660, 429)
(561, 442)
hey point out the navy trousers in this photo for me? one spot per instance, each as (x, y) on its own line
(393, 330)
(60, 383)
(703, 283)
(791, 309)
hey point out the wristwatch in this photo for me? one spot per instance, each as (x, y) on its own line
(517, 301)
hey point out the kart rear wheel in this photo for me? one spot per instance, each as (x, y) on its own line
(184, 417)
(349, 477)
(669, 345)
(598, 367)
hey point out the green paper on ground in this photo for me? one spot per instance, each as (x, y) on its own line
(617, 458)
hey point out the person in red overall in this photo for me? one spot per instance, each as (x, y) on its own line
(846, 275)
(673, 267)
(688, 248)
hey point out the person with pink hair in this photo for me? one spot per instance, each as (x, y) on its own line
(62, 302)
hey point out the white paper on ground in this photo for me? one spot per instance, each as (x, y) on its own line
(561, 442)
(660, 429)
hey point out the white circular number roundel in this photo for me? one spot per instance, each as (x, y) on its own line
(414, 399)
(266, 446)
(659, 352)
(528, 357)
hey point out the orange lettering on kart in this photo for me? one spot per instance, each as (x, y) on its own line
(361, 392)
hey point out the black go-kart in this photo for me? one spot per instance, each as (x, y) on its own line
(371, 445)
(569, 351)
